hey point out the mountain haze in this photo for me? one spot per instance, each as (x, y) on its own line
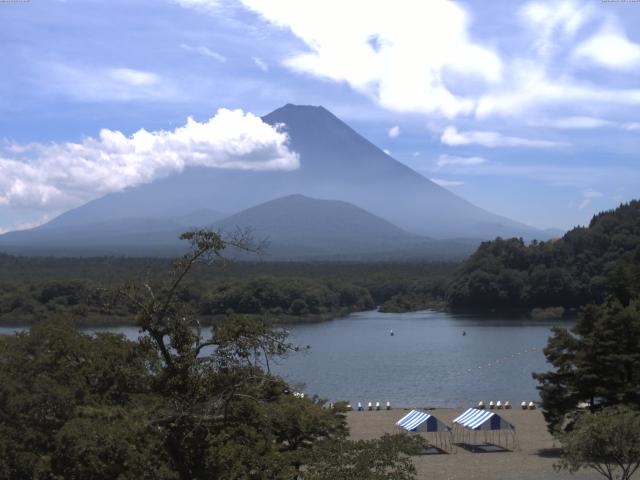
(298, 227)
(336, 164)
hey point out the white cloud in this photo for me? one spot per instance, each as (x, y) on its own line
(550, 20)
(452, 137)
(261, 64)
(62, 175)
(421, 57)
(450, 160)
(97, 84)
(530, 88)
(577, 122)
(581, 177)
(206, 51)
(446, 183)
(202, 5)
(132, 77)
(587, 196)
(610, 48)
(591, 193)
(25, 225)
(398, 53)
(394, 132)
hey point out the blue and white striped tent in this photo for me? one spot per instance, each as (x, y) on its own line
(495, 429)
(416, 421)
(476, 419)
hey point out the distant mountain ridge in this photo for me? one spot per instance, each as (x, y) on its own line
(336, 164)
(294, 227)
(298, 227)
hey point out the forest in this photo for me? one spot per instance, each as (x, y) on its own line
(34, 288)
(579, 268)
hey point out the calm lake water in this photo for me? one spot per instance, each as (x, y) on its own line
(427, 362)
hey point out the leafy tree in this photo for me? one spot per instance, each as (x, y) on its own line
(597, 361)
(367, 459)
(177, 404)
(74, 404)
(607, 441)
(582, 267)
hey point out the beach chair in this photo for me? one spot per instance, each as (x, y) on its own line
(370, 406)
(377, 405)
(491, 404)
(388, 405)
(481, 405)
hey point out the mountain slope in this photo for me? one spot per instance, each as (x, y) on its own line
(336, 163)
(299, 227)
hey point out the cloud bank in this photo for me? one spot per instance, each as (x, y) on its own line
(452, 137)
(63, 175)
(423, 57)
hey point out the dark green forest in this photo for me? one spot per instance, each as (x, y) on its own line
(34, 288)
(580, 268)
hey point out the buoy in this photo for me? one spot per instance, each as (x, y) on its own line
(377, 405)
(532, 406)
(507, 405)
(359, 406)
(499, 405)
(388, 405)
(491, 404)
(523, 405)
(481, 405)
(370, 406)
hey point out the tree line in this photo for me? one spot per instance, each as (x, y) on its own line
(579, 268)
(33, 289)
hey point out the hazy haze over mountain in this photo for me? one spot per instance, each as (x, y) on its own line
(336, 163)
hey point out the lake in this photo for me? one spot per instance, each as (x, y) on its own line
(428, 361)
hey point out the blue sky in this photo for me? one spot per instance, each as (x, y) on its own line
(528, 109)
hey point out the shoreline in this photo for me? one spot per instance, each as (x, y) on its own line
(533, 458)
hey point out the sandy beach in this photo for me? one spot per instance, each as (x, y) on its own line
(533, 460)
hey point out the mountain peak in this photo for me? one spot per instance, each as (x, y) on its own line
(291, 114)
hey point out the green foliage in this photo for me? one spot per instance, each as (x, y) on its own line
(177, 404)
(285, 296)
(581, 267)
(597, 362)
(607, 441)
(32, 289)
(386, 458)
(66, 397)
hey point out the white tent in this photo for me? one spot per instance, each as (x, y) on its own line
(422, 422)
(473, 420)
